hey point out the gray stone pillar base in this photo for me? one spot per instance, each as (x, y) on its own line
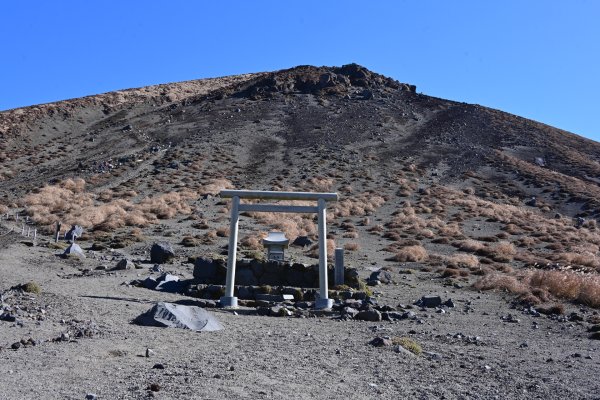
(321, 304)
(228, 301)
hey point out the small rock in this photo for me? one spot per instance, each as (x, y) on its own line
(302, 241)
(449, 303)
(158, 366)
(154, 387)
(595, 336)
(382, 276)
(15, 345)
(124, 264)
(368, 315)
(429, 301)
(91, 396)
(149, 352)
(403, 351)
(380, 342)
(432, 355)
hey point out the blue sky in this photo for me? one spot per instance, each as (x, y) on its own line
(537, 59)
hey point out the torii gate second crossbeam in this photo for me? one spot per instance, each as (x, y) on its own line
(229, 300)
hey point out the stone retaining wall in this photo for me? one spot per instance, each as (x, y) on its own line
(273, 273)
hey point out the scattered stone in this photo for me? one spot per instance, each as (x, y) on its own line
(575, 317)
(510, 318)
(401, 350)
(432, 355)
(382, 276)
(156, 268)
(158, 366)
(169, 283)
(15, 345)
(8, 317)
(149, 353)
(161, 253)
(449, 303)
(429, 301)
(380, 342)
(124, 264)
(91, 396)
(593, 328)
(368, 315)
(154, 387)
(349, 312)
(279, 311)
(179, 316)
(302, 241)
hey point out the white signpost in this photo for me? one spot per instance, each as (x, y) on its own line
(229, 300)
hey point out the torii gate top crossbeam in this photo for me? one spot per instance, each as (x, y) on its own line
(266, 194)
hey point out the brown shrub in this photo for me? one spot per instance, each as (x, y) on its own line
(313, 251)
(252, 242)
(501, 252)
(462, 261)
(351, 246)
(497, 281)
(411, 254)
(469, 245)
(566, 285)
(223, 231)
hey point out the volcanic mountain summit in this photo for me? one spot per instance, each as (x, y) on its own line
(263, 120)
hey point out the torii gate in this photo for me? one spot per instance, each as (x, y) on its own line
(229, 300)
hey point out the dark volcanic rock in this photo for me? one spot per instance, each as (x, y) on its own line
(161, 253)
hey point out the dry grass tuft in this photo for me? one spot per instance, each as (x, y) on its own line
(70, 203)
(351, 246)
(565, 285)
(415, 253)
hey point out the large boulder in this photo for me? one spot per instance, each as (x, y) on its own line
(161, 253)
(169, 283)
(179, 316)
(73, 233)
(382, 276)
(74, 250)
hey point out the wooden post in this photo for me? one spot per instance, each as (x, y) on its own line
(23, 230)
(58, 224)
(229, 300)
(28, 231)
(339, 267)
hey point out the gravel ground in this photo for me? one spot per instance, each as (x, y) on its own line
(469, 351)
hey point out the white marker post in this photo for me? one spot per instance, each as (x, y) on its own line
(229, 300)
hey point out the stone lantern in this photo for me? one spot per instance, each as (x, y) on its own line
(275, 244)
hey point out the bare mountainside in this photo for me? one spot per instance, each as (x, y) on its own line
(494, 212)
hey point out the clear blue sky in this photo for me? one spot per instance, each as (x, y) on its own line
(537, 59)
